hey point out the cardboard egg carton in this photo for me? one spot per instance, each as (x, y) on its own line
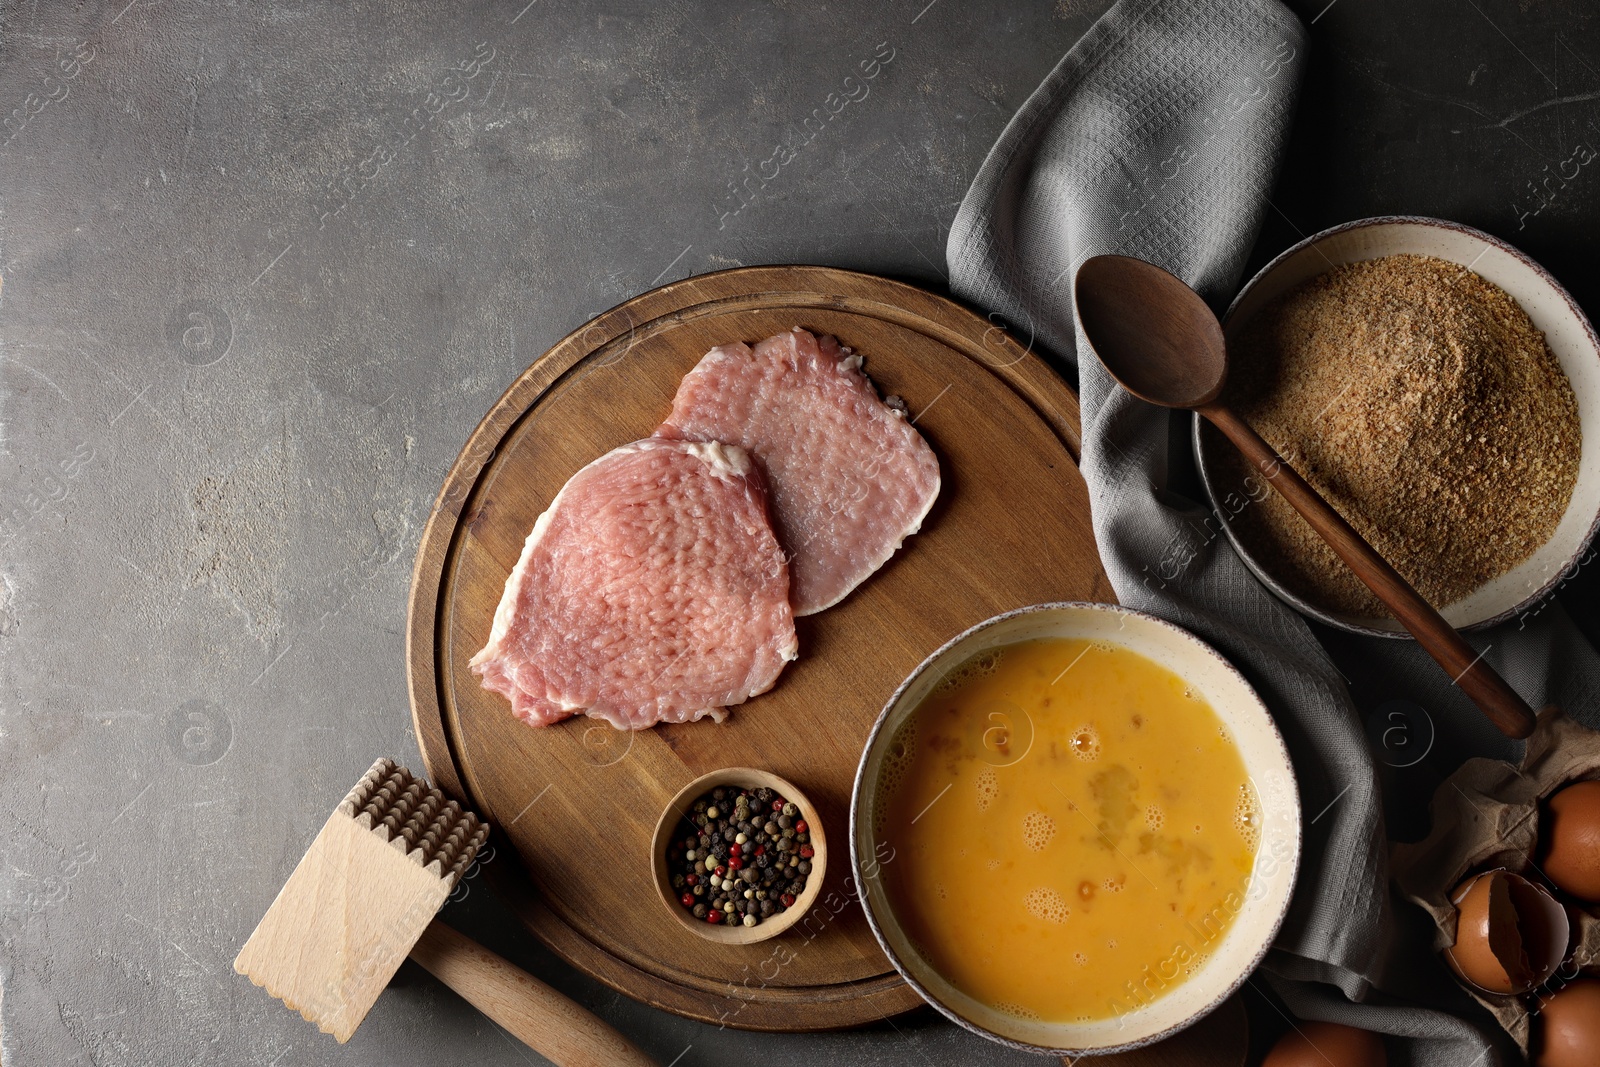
(1486, 816)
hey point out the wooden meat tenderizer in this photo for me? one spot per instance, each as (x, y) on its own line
(365, 896)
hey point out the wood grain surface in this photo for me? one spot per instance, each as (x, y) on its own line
(577, 802)
(544, 1019)
(341, 925)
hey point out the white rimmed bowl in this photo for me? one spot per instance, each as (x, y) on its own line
(1266, 762)
(1571, 339)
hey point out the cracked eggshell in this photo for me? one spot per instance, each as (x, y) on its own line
(1511, 935)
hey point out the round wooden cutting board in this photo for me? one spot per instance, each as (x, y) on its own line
(577, 801)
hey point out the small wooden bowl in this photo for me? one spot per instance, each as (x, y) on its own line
(739, 778)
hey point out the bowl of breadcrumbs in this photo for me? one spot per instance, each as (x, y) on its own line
(1442, 391)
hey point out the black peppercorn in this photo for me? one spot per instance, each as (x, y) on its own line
(751, 835)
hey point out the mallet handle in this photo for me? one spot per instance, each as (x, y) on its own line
(553, 1025)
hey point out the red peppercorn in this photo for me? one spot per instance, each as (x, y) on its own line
(722, 870)
(734, 863)
(788, 900)
(714, 916)
(777, 805)
(761, 850)
(687, 900)
(736, 849)
(801, 827)
(693, 879)
(806, 852)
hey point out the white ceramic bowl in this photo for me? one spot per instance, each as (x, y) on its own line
(1571, 339)
(1277, 857)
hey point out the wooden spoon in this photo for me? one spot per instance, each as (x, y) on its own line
(1163, 344)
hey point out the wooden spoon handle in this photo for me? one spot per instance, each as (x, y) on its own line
(1466, 667)
(554, 1026)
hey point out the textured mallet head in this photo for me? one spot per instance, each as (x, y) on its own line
(375, 876)
(413, 817)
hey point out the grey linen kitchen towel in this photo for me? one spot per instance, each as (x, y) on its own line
(1158, 136)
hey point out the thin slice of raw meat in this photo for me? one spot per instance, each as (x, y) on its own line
(849, 477)
(651, 590)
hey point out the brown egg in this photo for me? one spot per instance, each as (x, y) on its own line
(1569, 840)
(1327, 1045)
(1569, 1027)
(1510, 934)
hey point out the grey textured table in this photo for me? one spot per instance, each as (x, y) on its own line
(264, 266)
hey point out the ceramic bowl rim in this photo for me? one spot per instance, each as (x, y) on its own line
(857, 786)
(1281, 591)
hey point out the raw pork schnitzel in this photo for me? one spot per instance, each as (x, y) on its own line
(849, 478)
(651, 590)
